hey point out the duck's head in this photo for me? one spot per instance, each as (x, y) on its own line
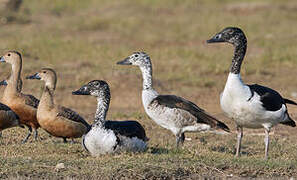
(137, 59)
(97, 88)
(232, 35)
(11, 57)
(45, 74)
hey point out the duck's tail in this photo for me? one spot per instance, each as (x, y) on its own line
(288, 101)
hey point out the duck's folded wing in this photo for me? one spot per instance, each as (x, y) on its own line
(172, 101)
(71, 115)
(31, 100)
(4, 107)
(270, 99)
(127, 128)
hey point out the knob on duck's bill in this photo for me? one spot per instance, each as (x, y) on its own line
(216, 39)
(125, 62)
(82, 91)
(35, 76)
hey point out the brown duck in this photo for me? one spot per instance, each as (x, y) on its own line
(24, 105)
(57, 120)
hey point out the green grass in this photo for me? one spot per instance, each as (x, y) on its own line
(83, 40)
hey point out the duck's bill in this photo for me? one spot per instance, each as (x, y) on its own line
(35, 76)
(214, 40)
(80, 92)
(3, 83)
(125, 62)
(2, 59)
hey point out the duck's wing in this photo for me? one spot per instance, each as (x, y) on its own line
(31, 100)
(270, 99)
(172, 101)
(4, 107)
(71, 115)
(127, 128)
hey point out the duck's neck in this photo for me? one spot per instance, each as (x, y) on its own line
(147, 77)
(239, 53)
(14, 81)
(47, 98)
(102, 108)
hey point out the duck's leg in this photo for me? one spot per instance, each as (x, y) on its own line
(28, 135)
(239, 137)
(35, 134)
(180, 140)
(266, 140)
(64, 140)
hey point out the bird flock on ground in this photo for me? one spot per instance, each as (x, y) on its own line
(250, 106)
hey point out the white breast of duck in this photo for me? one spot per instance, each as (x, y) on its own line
(100, 140)
(110, 136)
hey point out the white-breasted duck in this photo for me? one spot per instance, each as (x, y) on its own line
(57, 120)
(250, 106)
(108, 136)
(24, 105)
(169, 111)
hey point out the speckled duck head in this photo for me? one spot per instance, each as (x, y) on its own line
(232, 35)
(97, 88)
(236, 37)
(12, 57)
(140, 59)
(47, 75)
(143, 61)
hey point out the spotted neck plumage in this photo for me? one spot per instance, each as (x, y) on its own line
(239, 53)
(147, 76)
(102, 107)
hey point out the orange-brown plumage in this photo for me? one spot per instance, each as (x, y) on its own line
(55, 119)
(25, 106)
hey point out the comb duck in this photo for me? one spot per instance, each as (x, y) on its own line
(108, 136)
(250, 106)
(169, 111)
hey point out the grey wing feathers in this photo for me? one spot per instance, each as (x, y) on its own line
(71, 115)
(31, 100)
(181, 103)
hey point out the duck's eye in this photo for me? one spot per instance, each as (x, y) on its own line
(8, 54)
(136, 55)
(218, 36)
(44, 72)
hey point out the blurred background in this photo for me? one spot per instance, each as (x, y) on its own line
(83, 40)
